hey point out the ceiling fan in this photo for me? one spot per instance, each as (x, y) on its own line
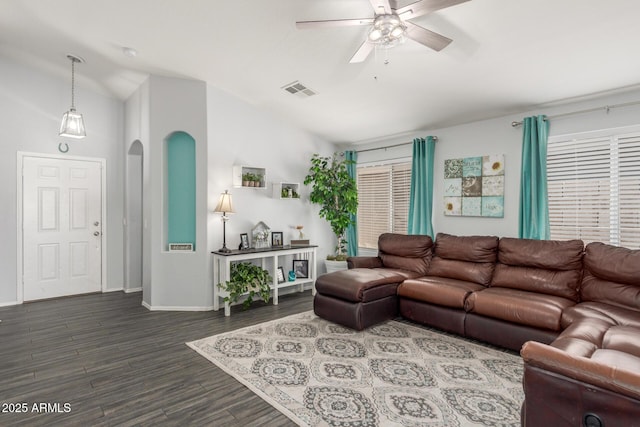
(390, 24)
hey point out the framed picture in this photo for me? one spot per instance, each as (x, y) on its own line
(280, 275)
(276, 238)
(244, 241)
(301, 268)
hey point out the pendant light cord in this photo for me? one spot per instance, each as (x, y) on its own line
(73, 82)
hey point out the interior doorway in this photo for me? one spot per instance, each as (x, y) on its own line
(134, 219)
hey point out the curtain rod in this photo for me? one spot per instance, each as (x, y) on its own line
(606, 108)
(435, 138)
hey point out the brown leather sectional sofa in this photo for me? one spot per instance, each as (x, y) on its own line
(573, 311)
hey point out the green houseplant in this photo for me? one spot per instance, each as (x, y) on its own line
(247, 279)
(336, 193)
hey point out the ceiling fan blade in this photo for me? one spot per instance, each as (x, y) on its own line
(423, 7)
(381, 6)
(303, 25)
(426, 37)
(362, 53)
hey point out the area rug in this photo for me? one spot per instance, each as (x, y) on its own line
(318, 373)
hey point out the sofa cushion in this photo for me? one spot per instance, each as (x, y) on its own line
(468, 258)
(438, 290)
(597, 310)
(359, 284)
(623, 338)
(406, 252)
(549, 267)
(517, 306)
(611, 275)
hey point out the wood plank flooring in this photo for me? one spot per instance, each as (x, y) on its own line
(117, 364)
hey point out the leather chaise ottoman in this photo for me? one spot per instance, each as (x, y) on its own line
(357, 298)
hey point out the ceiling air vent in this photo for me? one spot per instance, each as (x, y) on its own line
(298, 89)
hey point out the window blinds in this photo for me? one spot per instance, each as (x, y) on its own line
(593, 187)
(383, 201)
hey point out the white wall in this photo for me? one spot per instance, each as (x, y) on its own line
(31, 107)
(241, 134)
(497, 136)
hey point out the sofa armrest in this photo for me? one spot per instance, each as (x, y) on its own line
(364, 262)
(619, 379)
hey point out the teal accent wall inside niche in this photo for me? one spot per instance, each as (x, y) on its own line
(181, 188)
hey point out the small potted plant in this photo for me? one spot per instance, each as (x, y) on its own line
(247, 279)
(337, 194)
(246, 179)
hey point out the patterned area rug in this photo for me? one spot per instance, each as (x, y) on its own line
(394, 374)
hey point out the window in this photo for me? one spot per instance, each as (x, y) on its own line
(594, 189)
(383, 201)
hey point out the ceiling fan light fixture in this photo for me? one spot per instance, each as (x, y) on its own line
(387, 30)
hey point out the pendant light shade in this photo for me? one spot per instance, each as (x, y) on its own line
(72, 125)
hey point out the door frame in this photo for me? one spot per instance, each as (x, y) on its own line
(20, 155)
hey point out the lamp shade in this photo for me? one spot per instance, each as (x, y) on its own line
(72, 125)
(225, 204)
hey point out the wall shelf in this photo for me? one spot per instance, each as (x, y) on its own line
(249, 177)
(286, 190)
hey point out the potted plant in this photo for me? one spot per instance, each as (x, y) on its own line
(247, 279)
(246, 179)
(337, 194)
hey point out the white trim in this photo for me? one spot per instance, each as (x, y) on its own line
(175, 308)
(113, 290)
(7, 304)
(20, 155)
(132, 290)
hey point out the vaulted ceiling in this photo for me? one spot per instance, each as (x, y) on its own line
(506, 56)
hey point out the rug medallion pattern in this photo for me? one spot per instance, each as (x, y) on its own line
(394, 374)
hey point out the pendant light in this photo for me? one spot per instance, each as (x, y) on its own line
(72, 125)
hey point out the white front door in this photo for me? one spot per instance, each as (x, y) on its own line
(62, 227)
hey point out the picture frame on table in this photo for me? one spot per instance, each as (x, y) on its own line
(301, 268)
(244, 241)
(276, 238)
(280, 275)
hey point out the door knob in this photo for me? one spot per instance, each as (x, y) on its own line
(96, 233)
(97, 223)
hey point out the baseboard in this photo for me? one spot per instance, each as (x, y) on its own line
(174, 308)
(132, 290)
(112, 290)
(7, 304)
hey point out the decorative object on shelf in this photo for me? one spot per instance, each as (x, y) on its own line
(180, 247)
(276, 238)
(244, 241)
(474, 186)
(246, 176)
(280, 275)
(336, 193)
(224, 206)
(299, 242)
(260, 235)
(301, 268)
(292, 276)
(300, 234)
(72, 125)
(247, 279)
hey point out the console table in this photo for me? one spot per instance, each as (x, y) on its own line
(222, 269)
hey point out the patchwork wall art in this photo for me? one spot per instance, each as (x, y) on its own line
(474, 186)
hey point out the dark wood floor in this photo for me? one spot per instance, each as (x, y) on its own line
(116, 363)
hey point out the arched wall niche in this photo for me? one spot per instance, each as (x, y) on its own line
(180, 189)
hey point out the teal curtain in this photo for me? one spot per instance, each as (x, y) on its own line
(421, 195)
(352, 230)
(534, 208)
